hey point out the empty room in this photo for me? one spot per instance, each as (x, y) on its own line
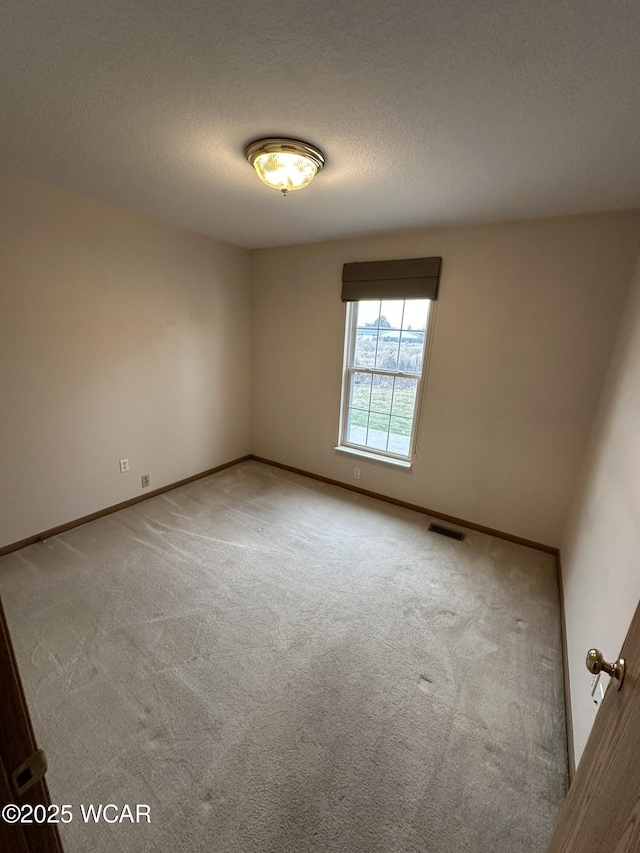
(320, 393)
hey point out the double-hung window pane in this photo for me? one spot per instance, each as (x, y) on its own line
(385, 349)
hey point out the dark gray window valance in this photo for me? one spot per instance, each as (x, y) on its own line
(412, 278)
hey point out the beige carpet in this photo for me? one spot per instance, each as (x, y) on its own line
(278, 665)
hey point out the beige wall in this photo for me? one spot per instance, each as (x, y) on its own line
(119, 337)
(601, 548)
(525, 325)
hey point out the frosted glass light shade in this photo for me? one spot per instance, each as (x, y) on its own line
(285, 170)
(285, 164)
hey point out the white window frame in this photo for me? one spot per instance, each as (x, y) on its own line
(348, 368)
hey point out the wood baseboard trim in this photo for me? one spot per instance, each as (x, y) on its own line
(62, 528)
(571, 755)
(490, 531)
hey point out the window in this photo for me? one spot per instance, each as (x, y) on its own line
(384, 355)
(390, 310)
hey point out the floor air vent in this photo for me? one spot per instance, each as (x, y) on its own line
(444, 531)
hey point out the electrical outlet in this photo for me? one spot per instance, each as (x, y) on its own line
(124, 466)
(356, 473)
(145, 481)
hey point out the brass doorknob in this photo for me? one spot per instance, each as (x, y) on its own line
(596, 663)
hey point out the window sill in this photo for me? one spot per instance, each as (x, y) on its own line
(374, 457)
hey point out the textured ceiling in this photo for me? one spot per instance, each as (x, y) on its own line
(430, 112)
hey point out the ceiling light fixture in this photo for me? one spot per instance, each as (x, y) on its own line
(285, 164)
